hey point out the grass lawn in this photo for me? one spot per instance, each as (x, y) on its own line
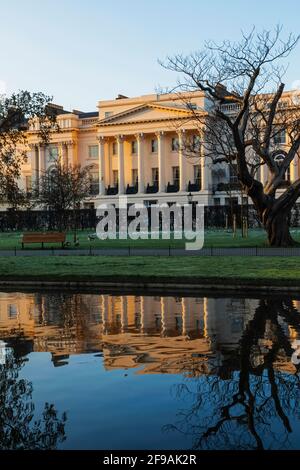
(255, 269)
(216, 238)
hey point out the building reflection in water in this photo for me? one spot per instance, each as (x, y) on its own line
(126, 328)
(234, 353)
(160, 332)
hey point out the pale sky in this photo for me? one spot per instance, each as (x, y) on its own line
(81, 51)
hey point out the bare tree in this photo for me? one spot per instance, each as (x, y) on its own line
(236, 406)
(242, 125)
(61, 189)
(16, 111)
(20, 429)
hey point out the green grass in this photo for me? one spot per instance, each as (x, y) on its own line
(80, 268)
(216, 238)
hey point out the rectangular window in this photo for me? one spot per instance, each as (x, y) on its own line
(196, 143)
(115, 178)
(94, 183)
(175, 174)
(191, 106)
(12, 311)
(231, 201)
(134, 176)
(197, 175)
(154, 145)
(114, 148)
(107, 114)
(233, 173)
(134, 146)
(28, 183)
(93, 151)
(175, 144)
(280, 136)
(53, 154)
(155, 176)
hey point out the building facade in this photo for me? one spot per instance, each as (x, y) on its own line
(132, 147)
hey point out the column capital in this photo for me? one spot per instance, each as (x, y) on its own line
(101, 139)
(139, 136)
(71, 143)
(180, 132)
(120, 138)
(160, 134)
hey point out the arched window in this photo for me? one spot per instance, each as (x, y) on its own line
(279, 157)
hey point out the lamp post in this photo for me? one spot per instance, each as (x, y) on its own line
(190, 198)
(190, 201)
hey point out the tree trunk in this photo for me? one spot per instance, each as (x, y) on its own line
(274, 218)
(277, 228)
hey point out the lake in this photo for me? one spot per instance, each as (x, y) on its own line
(100, 371)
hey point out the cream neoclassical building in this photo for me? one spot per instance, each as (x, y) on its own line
(132, 147)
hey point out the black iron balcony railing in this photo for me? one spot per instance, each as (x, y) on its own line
(173, 188)
(193, 187)
(132, 189)
(284, 184)
(94, 189)
(232, 186)
(111, 190)
(152, 189)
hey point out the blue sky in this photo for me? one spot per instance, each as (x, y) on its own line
(81, 51)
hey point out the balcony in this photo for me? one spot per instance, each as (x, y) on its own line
(152, 189)
(232, 186)
(132, 189)
(112, 190)
(193, 187)
(94, 189)
(284, 184)
(230, 108)
(173, 188)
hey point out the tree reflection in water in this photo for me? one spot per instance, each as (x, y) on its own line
(242, 411)
(18, 427)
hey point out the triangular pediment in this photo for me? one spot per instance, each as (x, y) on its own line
(146, 113)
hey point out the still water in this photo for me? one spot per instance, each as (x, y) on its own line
(95, 371)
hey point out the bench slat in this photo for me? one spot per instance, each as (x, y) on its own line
(50, 237)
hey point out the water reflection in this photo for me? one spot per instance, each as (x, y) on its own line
(235, 384)
(259, 387)
(18, 427)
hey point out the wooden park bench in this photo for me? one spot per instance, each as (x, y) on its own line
(44, 237)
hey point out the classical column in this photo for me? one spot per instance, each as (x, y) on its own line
(163, 316)
(185, 319)
(294, 169)
(104, 312)
(72, 157)
(140, 149)
(34, 167)
(101, 164)
(161, 162)
(263, 174)
(120, 142)
(64, 154)
(124, 316)
(147, 320)
(204, 173)
(182, 162)
(42, 161)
